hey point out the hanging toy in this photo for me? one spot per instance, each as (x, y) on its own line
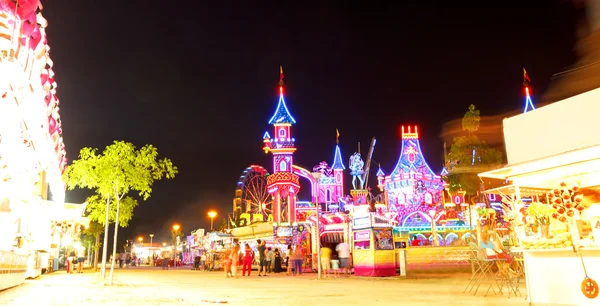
(589, 287)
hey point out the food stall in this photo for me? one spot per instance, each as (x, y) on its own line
(373, 252)
(553, 157)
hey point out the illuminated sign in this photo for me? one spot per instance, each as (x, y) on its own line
(362, 235)
(361, 222)
(284, 232)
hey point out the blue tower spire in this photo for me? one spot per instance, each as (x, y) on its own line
(282, 114)
(337, 160)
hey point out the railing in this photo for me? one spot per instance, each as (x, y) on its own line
(12, 269)
(427, 258)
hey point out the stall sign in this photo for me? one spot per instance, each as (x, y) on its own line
(284, 231)
(362, 235)
(361, 222)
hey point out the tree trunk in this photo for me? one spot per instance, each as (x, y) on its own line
(112, 267)
(105, 244)
(96, 252)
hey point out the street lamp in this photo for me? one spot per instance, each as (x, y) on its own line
(212, 214)
(140, 239)
(317, 176)
(151, 235)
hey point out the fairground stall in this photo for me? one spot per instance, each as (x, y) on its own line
(31, 144)
(373, 251)
(217, 245)
(553, 157)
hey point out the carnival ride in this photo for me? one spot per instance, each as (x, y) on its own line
(252, 199)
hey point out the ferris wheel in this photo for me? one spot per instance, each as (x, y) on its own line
(251, 195)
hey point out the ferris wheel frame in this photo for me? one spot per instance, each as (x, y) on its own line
(251, 195)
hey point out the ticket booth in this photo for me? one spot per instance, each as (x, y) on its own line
(373, 252)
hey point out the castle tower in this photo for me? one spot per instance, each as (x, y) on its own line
(283, 184)
(338, 173)
(412, 182)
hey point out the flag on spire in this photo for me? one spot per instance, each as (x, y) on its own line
(280, 75)
(337, 136)
(526, 79)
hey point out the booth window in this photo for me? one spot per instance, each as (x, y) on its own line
(362, 245)
(383, 239)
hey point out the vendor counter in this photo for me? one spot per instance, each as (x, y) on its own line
(554, 276)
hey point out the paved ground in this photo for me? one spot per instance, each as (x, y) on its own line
(152, 286)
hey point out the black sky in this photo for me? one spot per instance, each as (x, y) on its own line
(199, 81)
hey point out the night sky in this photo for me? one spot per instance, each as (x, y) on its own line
(200, 82)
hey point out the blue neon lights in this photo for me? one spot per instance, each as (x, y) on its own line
(528, 104)
(380, 172)
(405, 164)
(282, 114)
(337, 160)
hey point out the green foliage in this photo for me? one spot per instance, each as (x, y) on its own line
(461, 152)
(471, 120)
(462, 167)
(120, 168)
(223, 225)
(96, 210)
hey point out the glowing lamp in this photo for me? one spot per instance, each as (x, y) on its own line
(176, 227)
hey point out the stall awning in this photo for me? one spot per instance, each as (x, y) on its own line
(332, 237)
(523, 190)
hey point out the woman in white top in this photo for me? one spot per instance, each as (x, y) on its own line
(287, 259)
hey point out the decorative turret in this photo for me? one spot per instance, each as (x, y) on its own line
(526, 84)
(267, 142)
(337, 160)
(283, 184)
(282, 114)
(380, 179)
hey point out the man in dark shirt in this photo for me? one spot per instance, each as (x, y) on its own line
(262, 255)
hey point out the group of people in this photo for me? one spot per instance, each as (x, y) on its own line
(344, 261)
(270, 260)
(74, 261)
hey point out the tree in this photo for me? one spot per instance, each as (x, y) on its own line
(95, 229)
(470, 156)
(471, 120)
(96, 212)
(223, 225)
(119, 170)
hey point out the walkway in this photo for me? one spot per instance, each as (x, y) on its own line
(181, 286)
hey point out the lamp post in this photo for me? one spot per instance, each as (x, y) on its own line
(140, 240)
(317, 176)
(176, 228)
(433, 228)
(151, 235)
(212, 214)
(151, 251)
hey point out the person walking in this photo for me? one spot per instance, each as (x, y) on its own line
(343, 251)
(288, 263)
(235, 258)
(262, 257)
(276, 261)
(325, 259)
(248, 258)
(269, 260)
(80, 259)
(298, 259)
(165, 261)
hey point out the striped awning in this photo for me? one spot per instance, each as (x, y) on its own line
(332, 237)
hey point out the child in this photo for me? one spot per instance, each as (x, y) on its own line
(335, 266)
